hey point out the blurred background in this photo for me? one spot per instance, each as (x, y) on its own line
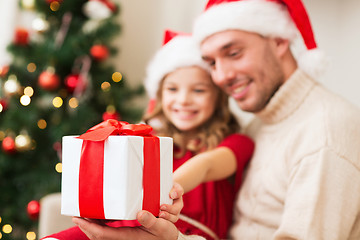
(67, 65)
(335, 23)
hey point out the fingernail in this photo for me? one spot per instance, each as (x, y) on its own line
(144, 216)
(163, 207)
(162, 214)
(173, 195)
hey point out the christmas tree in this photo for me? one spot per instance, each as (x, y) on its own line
(58, 83)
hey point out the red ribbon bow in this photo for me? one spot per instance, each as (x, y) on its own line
(91, 172)
(109, 127)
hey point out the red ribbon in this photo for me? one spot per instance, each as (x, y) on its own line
(91, 173)
(109, 127)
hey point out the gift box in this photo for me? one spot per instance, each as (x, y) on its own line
(115, 170)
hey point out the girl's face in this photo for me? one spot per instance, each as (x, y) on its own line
(188, 97)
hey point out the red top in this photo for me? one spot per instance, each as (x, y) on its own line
(212, 203)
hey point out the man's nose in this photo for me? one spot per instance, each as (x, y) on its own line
(222, 74)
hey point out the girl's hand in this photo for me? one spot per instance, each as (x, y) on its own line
(171, 212)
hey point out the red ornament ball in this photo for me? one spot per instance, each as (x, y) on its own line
(4, 105)
(74, 81)
(99, 52)
(33, 209)
(49, 81)
(21, 37)
(51, 1)
(109, 115)
(4, 70)
(8, 145)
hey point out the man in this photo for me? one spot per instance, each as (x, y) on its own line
(304, 179)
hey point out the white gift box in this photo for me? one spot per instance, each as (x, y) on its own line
(123, 164)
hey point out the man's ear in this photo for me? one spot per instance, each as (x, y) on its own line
(282, 46)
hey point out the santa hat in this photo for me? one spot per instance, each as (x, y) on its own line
(270, 18)
(178, 50)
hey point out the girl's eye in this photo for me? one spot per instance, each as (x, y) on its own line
(171, 89)
(211, 63)
(199, 90)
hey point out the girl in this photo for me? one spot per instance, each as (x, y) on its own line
(187, 106)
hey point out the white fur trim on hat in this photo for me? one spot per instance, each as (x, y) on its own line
(314, 62)
(179, 52)
(267, 18)
(264, 17)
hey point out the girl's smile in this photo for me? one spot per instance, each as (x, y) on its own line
(188, 97)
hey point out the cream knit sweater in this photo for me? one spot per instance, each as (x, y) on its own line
(303, 181)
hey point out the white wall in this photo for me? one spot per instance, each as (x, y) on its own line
(8, 13)
(336, 25)
(143, 24)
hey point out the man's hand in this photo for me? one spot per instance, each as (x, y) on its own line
(152, 228)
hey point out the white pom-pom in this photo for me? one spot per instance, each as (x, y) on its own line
(313, 62)
(96, 10)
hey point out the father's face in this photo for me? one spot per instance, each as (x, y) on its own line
(245, 65)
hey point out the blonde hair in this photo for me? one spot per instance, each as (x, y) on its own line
(221, 124)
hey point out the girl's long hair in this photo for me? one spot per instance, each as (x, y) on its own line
(221, 124)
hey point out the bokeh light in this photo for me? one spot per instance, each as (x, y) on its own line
(58, 167)
(2, 136)
(25, 100)
(105, 86)
(29, 91)
(11, 85)
(31, 67)
(57, 102)
(54, 6)
(31, 235)
(73, 102)
(117, 77)
(7, 228)
(42, 124)
(110, 109)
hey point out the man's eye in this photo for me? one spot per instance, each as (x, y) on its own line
(234, 53)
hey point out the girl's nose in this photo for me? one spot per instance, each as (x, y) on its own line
(183, 97)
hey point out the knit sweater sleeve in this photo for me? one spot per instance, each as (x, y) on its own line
(319, 203)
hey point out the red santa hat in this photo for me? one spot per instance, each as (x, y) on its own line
(178, 50)
(286, 19)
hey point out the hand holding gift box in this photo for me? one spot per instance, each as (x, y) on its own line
(115, 170)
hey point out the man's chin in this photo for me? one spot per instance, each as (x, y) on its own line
(246, 107)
